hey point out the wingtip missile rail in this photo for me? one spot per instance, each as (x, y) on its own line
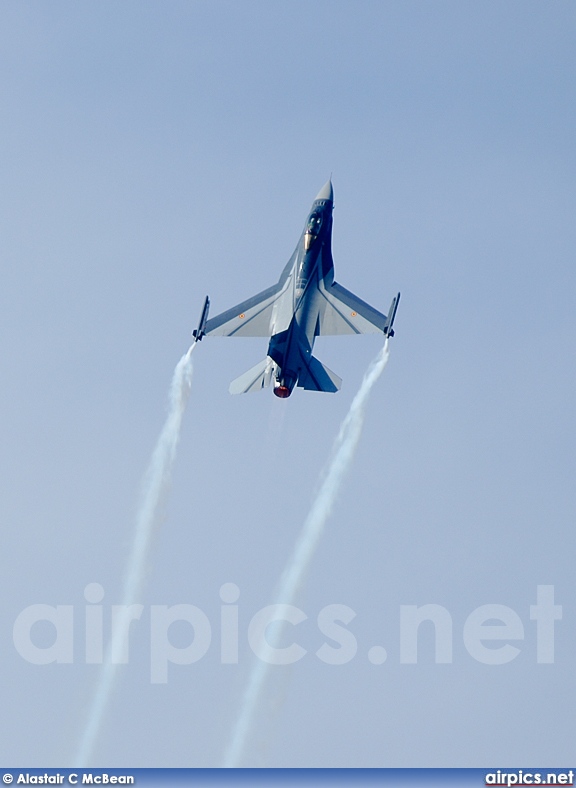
(199, 332)
(388, 330)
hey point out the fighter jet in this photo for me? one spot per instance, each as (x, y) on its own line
(304, 304)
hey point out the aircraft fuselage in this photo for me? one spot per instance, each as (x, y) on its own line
(297, 324)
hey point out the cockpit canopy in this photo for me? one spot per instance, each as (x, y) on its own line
(312, 230)
(314, 224)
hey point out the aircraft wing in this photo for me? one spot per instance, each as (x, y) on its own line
(251, 318)
(345, 313)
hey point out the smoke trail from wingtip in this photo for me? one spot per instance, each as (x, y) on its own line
(295, 570)
(155, 486)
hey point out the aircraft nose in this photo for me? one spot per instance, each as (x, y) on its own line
(326, 192)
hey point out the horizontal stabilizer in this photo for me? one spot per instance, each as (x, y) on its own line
(255, 379)
(318, 377)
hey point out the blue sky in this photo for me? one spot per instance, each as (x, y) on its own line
(151, 153)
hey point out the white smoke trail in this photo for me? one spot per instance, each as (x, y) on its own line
(291, 579)
(154, 488)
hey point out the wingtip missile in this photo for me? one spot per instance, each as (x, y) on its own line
(388, 330)
(199, 332)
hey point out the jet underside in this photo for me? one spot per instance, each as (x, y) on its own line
(304, 304)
